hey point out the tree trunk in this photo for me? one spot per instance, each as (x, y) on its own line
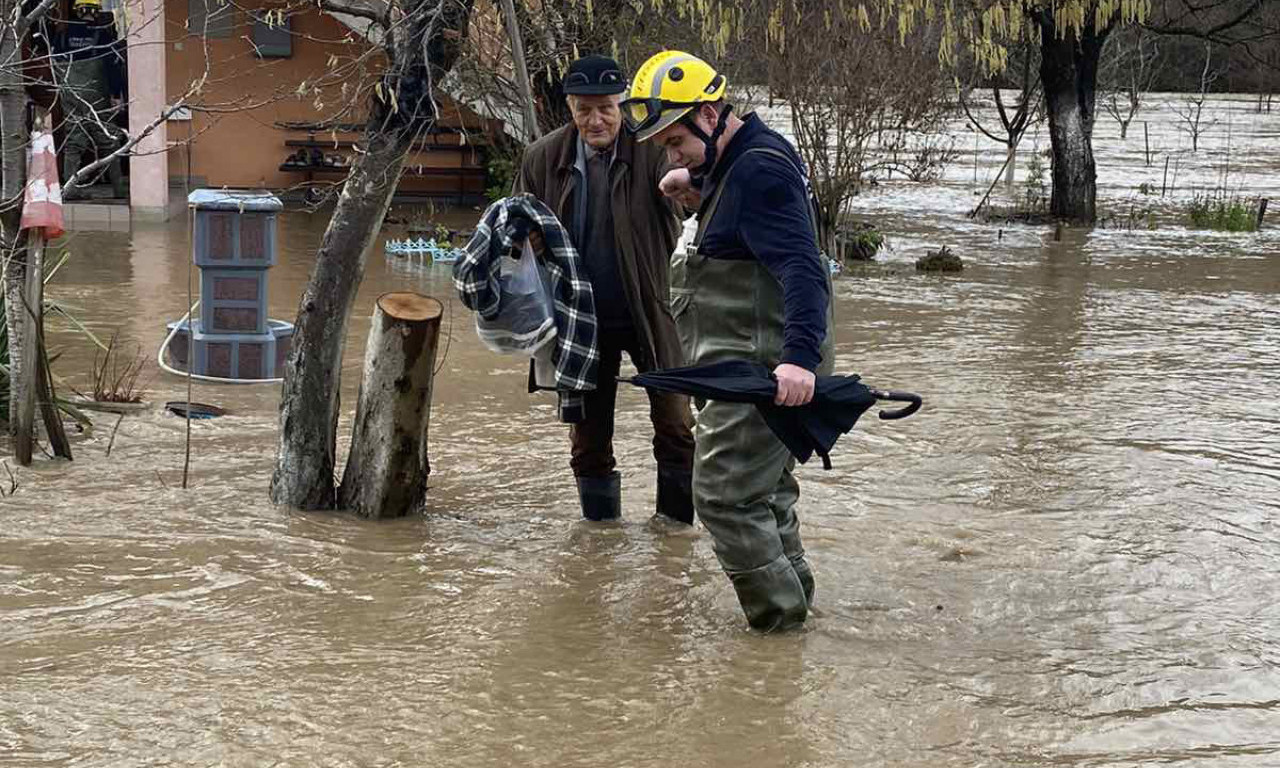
(420, 48)
(1069, 71)
(828, 224)
(1011, 164)
(22, 408)
(45, 396)
(24, 368)
(13, 180)
(309, 401)
(387, 468)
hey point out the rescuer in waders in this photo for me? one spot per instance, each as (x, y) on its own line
(753, 285)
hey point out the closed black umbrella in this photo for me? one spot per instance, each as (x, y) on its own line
(838, 401)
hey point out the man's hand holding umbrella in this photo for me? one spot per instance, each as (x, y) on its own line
(822, 407)
(795, 385)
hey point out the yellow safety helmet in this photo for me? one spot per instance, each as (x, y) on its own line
(666, 88)
(92, 3)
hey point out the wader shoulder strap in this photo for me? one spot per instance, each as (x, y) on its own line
(705, 220)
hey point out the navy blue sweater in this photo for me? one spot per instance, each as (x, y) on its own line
(764, 214)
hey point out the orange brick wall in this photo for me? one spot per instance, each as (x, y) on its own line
(244, 147)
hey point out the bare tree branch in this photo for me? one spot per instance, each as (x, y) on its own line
(34, 16)
(1213, 32)
(382, 18)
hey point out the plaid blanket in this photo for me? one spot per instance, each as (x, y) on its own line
(503, 228)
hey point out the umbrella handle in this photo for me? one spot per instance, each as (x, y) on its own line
(900, 397)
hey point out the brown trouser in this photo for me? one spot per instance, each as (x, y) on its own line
(592, 438)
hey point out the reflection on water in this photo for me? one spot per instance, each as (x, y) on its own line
(1066, 558)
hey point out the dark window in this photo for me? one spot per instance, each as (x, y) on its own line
(272, 40)
(211, 18)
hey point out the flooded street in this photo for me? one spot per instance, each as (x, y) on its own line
(1070, 556)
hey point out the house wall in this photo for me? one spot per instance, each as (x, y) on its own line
(244, 147)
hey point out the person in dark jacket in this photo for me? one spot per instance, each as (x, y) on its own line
(752, 286)
(603, 186)
(87, 57)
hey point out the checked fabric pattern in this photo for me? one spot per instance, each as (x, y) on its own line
(503, 227)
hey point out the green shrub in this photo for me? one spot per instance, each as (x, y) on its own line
(1227, 214)
(501, 170)
(1035, 187)
(859, 241)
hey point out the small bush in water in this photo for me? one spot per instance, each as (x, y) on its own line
(941, 260)
(1138, 216)
(1227, 214)
(1035, 188)
(860, 241)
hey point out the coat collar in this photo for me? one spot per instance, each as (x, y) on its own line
(567, 148)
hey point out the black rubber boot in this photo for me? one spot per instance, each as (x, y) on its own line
(601, 497)
(675, 494)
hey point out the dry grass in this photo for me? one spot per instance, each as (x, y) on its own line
(115, 377)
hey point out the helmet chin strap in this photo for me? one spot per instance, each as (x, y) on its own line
(709, 158)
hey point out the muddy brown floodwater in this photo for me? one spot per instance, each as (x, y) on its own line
(1069, 557)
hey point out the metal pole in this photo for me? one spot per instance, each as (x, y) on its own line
(521, 69)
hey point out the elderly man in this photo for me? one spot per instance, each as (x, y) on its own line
(603, 186)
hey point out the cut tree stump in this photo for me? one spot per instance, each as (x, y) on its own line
(387, 468)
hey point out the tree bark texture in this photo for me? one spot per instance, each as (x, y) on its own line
(421, 47)
(48, 404)
(22, 408)
(1069, 71)
(388, 465)
(13, 179)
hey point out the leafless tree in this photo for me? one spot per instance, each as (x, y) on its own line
(1130, 63)
(1017, 113)
(861, 112)
(1192, 120)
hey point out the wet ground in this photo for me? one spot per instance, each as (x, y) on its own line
(1069, 557)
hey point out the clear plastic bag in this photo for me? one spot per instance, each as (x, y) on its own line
(526, 314)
